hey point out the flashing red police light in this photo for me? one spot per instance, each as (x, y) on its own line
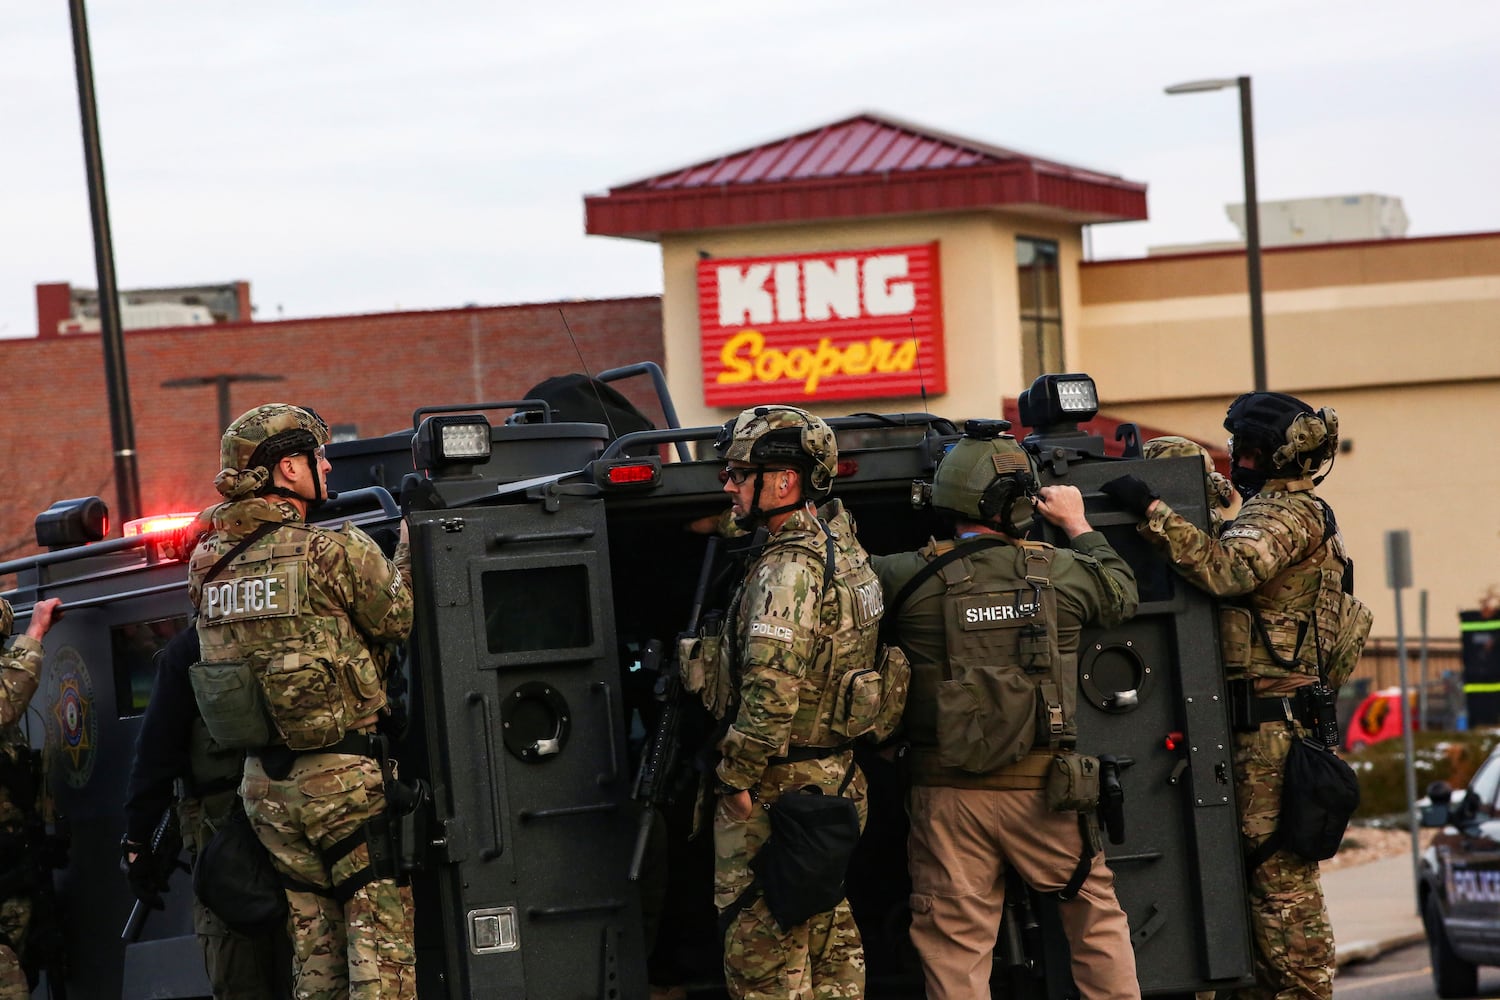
(155, 523)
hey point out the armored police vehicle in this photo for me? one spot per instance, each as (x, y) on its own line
(552, 566)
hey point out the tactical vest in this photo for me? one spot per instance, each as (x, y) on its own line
(260, 613)
(1304, 621)
(841, 689)
(1003, 700)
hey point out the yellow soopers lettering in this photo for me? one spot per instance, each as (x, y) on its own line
(745, 356)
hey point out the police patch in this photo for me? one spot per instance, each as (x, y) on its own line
(272, 594)
(1241, 531)
(771, 630)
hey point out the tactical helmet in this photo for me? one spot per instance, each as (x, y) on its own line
(255, 442)
(785, 436)
(987, 477)
(1220, 492)
(7, 619)
(1289, 433)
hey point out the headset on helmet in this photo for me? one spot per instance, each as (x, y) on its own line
(1290, 434)
(778, 435)
(987, 477)
(258, 439)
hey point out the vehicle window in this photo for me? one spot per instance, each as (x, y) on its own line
(1484, 785)
(545, 608)
(135, 646)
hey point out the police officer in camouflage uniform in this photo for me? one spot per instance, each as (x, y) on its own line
(805, 615)
(303, 610)
(1278, 568)
(979, 603)
(20, 795)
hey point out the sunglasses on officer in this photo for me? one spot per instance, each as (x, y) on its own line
(737, 474)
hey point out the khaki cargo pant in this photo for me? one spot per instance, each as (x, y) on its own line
(363, 948)
(962, 841)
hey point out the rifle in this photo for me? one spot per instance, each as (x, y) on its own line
(659, 761)
(166, 848)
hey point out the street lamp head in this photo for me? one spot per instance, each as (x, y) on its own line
(1199, 86)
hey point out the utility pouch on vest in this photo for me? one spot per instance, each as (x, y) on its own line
(1236, 636)
(1073, 783)
(1351, 626)
(231, 703)
(986, 718)
(1051, 732)
(869, 701)
(704, 667)
(308, 709)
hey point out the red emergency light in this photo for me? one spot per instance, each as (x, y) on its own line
(156, 522)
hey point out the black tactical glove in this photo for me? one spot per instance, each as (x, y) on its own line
(145, 881)
(1131, 493)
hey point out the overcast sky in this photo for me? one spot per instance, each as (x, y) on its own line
(349, 157)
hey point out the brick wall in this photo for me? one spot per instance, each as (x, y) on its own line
(371, 371)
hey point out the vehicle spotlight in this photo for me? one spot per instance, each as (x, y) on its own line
(1056, 401)
(451, 444)
(69, 523)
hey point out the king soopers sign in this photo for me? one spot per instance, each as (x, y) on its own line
(860, 324)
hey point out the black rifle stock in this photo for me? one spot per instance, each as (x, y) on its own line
(653, 779)
(166, 849)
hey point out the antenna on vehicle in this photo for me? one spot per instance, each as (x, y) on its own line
(586, 374)
(921, 376)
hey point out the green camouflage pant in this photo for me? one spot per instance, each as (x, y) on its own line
(1288, 921)
(822, 959)
(363, 948)
(15, 920)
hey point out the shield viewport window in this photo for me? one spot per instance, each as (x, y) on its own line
(538, 608)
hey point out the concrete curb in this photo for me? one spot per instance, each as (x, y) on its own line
(1369, 950)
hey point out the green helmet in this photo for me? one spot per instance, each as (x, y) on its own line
(255, 442)
(778, 435)
(987, 477)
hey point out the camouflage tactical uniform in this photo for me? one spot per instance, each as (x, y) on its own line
(20, 669)
(1223, 501)
(1273, 560)
(792, 635)
(320, 677)
(967, 829)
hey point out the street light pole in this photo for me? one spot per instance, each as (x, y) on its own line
(1252, 215)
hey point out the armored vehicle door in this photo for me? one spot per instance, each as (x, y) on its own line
(518, 682)
(1151, 694)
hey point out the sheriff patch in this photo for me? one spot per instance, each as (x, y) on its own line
(996, 610)
(1241, 532)
(267, 595)
(772, 631)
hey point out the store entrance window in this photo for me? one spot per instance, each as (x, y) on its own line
(1041, 310)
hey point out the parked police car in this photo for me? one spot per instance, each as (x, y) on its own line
(548, 555)
(1459, 887)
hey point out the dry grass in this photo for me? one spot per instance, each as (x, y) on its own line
(1369, 843)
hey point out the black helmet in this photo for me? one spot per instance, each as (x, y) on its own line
(1290, 435)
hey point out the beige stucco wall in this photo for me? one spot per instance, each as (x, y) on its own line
(1399, 337)
(980, 302)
